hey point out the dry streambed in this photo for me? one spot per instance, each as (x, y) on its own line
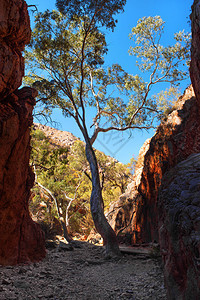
(83, 273)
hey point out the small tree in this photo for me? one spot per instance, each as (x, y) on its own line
(63, 183)
(66, 56)
(58, 182)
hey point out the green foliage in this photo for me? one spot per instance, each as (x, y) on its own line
(167, 100)
(62, 170)
(163, 63)
(69, 52)
(132, 164)
(66, 63)
(103, 11)
(56, 49)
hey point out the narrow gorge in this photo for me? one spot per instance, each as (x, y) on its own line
(162, 204)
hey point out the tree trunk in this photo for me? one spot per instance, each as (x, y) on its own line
(65, 231)
(60, 217)
(97, 206)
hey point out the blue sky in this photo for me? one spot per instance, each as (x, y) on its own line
(175, 13)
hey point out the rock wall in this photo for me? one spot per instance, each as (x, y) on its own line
(14, 34)
(163, 202)
(179, 229)
(179, 202)
(21, 240)
(176, 138)
(122, 214)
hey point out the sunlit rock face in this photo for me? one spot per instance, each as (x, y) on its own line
(14, 34)
(122, 214)
(175, 139)
(163, 202)
(21, 240)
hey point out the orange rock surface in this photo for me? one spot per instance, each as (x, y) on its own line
(21, 240)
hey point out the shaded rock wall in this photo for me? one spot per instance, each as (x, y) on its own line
(21, 240)
(176, 138)
(179, 229)
(122, 214)
(179, 202)
(163, 203)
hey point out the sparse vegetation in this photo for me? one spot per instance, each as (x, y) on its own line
(66, 173)
(66, 59)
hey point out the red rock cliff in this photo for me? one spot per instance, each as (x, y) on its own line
(21, 240)
(163, 203)
(175, 139)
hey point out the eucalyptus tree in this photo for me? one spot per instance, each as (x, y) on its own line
(66, 63)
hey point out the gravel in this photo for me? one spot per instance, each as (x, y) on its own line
(84, 273)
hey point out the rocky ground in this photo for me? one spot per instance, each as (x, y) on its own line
(84, 273)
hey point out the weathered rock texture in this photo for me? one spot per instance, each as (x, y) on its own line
(175, 139)
(21, 240)
(14, 34)
(141, 216)
(163, 203)
(122, 214)
(179, 229)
